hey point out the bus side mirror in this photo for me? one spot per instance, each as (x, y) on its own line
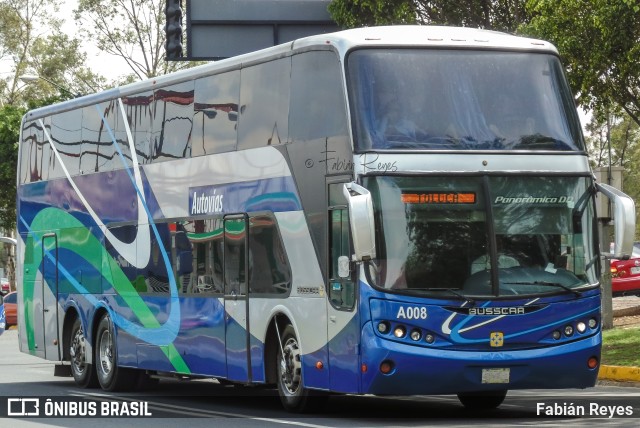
(624, 216)
(361, 221)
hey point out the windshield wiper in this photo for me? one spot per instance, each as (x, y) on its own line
(468, 300)
(546, 284)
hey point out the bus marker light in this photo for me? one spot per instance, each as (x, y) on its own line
(593, 323)
(556, 335)
(592, 362)
(319, 365)
(429, 338)
(364, 368)
(581, 327)
(386, 367)
(568, 330)
(416, 335)
(383, 327)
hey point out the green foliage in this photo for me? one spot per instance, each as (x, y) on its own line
(10, 119)
(620, 347)
(501, 15)
(357, 13)
(598, 40)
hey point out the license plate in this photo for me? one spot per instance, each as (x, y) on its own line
(635, 270)
(495, 375)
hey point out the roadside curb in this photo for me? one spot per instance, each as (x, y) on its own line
(619, 373)
(626, 312)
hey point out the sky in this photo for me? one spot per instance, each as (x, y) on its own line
(107, 65)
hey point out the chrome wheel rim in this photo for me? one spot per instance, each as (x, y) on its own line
(78, 352)
(105, 353)
(290, 367)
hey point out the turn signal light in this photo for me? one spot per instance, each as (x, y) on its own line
(592, 362)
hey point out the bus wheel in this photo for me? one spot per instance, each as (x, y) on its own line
(110, 376)
(84, 374)
(482, 400)
(294, 397)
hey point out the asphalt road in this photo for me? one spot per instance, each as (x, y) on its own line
(206, 403)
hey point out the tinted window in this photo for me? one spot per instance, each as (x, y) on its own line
(140, 118)
(461, 100)
(172, 122)
(269, 271)
(264, 104)
(67, 137)
(215, 115)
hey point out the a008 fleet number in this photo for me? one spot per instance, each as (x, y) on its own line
(412, 313)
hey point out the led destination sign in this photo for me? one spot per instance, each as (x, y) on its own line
(439, 198)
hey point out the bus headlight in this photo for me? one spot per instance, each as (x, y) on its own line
(399, 331)
(593, 323)
(415, 335)
(383, 327)
(568, 330)
(581, 327)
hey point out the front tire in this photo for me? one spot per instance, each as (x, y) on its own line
(482, 400)
(84, 374)
(293, 395)
(110, 376)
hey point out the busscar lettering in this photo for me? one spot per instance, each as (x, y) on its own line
(515, 310)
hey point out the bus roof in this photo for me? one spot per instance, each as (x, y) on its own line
(342, 41)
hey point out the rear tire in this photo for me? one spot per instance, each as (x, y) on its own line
(84, 374)
(295, 397)
(110, 375)
(485, 400)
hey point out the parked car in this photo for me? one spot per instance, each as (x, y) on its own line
(5, 286)
(11, 309)
(625, 274)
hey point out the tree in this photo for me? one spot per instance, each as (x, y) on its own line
(599, 43)
(501, 15)
(10, 119)
(33, 43)
(133, 30)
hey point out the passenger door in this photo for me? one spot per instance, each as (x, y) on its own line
(50, 297)
(344, 322)
(236, 298)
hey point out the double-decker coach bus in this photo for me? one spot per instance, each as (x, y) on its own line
(392, 210)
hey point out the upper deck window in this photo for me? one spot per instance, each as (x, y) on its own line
(428, 99)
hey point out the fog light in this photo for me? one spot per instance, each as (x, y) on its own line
(399, 331)
(592, 362)
(386, 367)
(416, 335)
(429, 338)
(568, 330)
(581, 327)
(556, 335)
(593, 323)
(383, 327)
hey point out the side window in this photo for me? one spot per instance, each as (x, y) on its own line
(269, 271)
(341, 290)
(264, 104)
(172, 122)
(66, 136)
(234, 256)
(202, 249)
(140, 120)
(215, 114)
(317, 99)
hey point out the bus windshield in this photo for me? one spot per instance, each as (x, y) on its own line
(426, 99)
(445, 234)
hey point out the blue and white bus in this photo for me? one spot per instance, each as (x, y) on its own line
(388, 210)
